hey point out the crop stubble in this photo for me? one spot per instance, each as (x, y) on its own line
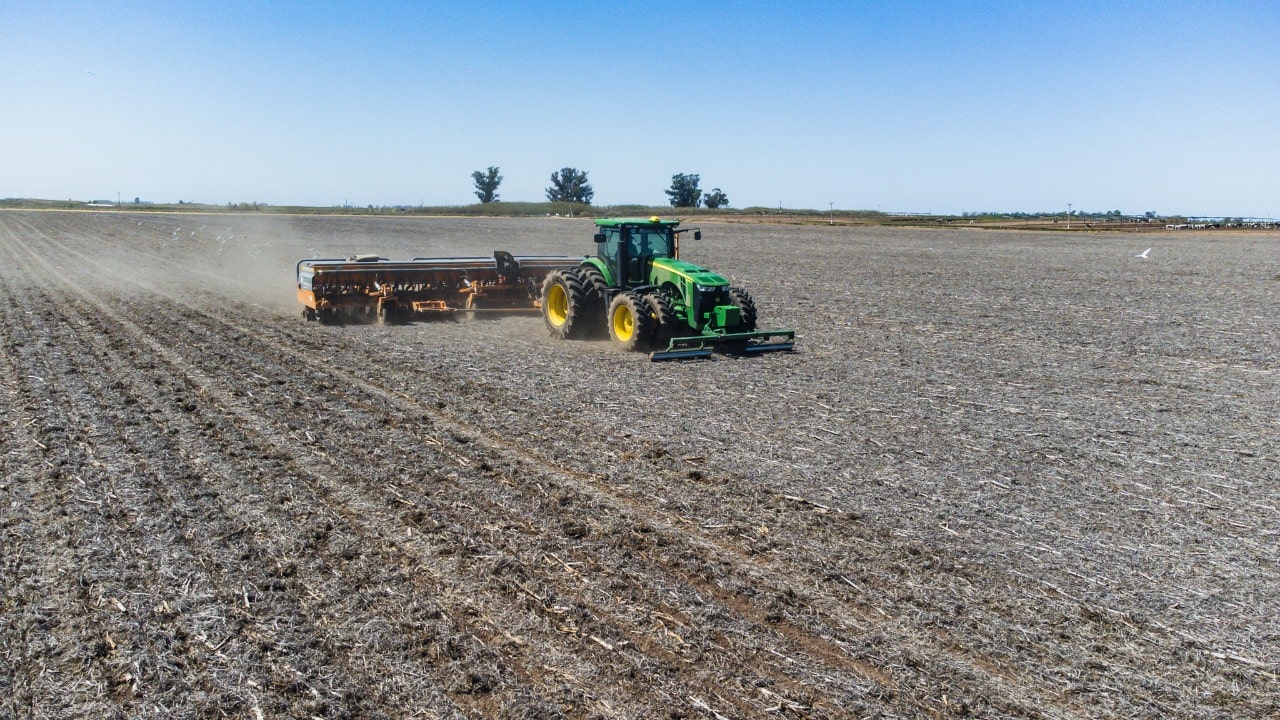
(1006, 475)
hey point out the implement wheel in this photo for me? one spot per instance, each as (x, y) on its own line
(630, 321)
(388, 312)
(746, 308)
(564, 305)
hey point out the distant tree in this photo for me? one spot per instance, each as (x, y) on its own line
(487, 184)
(570, 185)
(1150, 215)
(715, 199)
(684, 191)
(137, 201)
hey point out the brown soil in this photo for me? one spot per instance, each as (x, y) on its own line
(1005, 475)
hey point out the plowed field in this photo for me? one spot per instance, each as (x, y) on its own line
(1005, 475)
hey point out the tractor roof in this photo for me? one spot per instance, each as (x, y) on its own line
(617, 222)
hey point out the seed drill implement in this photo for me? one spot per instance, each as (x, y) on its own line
(369, 287)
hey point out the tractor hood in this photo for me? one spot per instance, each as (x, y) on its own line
(699, 275)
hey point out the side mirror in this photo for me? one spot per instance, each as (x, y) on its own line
(599, 237)
(697, 234)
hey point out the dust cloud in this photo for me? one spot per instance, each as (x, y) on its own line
(223, 259)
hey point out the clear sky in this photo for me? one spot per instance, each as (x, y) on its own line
(900, 106)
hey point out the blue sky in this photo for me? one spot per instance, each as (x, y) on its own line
(912, 106)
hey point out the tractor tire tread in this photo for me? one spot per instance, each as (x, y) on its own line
(746, 308)
(576, 318)
(663, 316)
(642, 321)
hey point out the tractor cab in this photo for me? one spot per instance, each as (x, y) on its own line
(628, 246)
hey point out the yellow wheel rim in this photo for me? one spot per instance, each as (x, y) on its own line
(557, 305)
(624, 324)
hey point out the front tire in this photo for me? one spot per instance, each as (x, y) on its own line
(630, 324)
(663, 315)
(746, 308)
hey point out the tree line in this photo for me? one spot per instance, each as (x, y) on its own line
(570, 184)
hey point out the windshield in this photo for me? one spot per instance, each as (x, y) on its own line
(651, 242)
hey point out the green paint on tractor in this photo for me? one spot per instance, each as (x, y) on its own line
(638, 289)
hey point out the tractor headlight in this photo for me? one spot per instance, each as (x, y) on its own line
(705, 288)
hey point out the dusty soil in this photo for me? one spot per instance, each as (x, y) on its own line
(1005, 475)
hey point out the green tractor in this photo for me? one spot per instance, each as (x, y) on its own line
(638, 289)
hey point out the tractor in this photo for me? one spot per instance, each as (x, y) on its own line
(638, 290)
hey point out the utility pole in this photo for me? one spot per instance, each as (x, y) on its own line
(831, 207)
(1068, 216)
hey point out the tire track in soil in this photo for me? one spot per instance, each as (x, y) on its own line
(142, 452)
(726, 598)
(475, 523)
(23, 623)
(231, 515)
(87, 514)
(55, 509)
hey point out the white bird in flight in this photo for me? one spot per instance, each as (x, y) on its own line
(1143, 254)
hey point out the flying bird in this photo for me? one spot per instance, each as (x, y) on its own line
(1143, 254)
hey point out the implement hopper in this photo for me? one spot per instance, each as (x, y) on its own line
(368, 287)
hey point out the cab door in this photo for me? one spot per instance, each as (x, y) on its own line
(635, 255)
(608, 252)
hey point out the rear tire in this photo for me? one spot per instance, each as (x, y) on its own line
(630, 324)
(597, 289)
(593, 281)
(746, 308)
(564, 305)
